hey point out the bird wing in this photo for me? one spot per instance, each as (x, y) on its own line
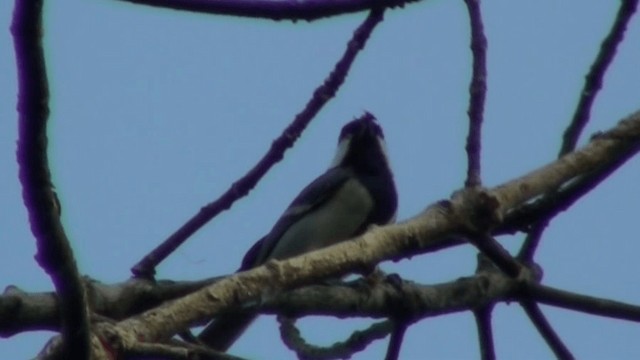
(309, 199)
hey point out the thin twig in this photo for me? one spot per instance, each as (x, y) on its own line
(497, 254)
(485, 332)
(593, 80)
(546, 331)
(395, 340)
(240, 188)
(587, 304)
(358, 341)
(54, 252)
(276, 10)
(532, 240)
(477, 93)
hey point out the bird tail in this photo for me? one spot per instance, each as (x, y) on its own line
(222, 332)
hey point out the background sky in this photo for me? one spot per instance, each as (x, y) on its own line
(156, 112)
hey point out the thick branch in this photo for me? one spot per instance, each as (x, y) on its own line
(54, 252)
(382, 300)
(623, 141)
(561, 200)
(275, 10)
(21, 311)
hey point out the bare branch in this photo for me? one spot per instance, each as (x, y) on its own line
(240, 188)
(588, 304)
(593, 81)
(560, 202)
(498, 255)
(544, 328)
(532, 240)
(485, 332)
(548, 207)
(54, 254)
(534, 217)
(358, 341)
(308, 10)
(619, 142)
(477, 93)
(383, 300)
(21, 311)
(395, 340)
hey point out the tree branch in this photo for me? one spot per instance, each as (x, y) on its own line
(477, 93)
(54, 253)
(21, 311)
(548, 207)
(497, 254)
(395, 340)
(485, 332)
(308, 10)
(544, 328)
(593, 80)
(587, 304)
(358, 341)
(381, 301)
(581, 116)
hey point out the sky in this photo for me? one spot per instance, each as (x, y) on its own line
(154, 113)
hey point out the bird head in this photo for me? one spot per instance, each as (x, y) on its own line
(361, 146)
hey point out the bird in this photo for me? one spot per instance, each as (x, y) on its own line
(357, 191)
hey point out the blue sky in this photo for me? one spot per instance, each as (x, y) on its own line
(156, 112)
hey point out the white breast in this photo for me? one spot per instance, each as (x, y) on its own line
(332, 222)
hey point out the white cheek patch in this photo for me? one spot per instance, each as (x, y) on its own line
(383, 149)
(343, 147)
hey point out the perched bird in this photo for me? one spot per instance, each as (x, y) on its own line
(355, 192)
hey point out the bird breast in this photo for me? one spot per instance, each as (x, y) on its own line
(338, 219)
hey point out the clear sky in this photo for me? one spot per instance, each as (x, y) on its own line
(156, 112)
